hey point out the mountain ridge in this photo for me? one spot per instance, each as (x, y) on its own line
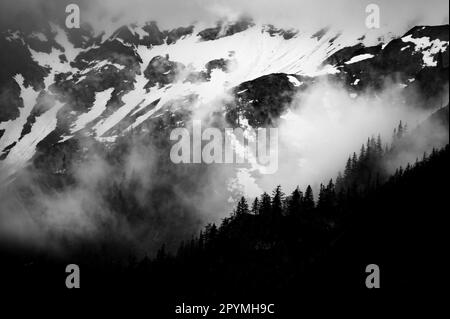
(154, 75)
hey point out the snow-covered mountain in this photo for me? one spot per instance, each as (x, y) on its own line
(57, 83)
(85, 118)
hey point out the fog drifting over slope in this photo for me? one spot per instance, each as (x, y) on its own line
(349, 15)
(326, 124)
(316, 135)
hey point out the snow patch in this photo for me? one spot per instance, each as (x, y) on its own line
(360, 57)
(61, 38)
(404, 48)
(427, 48)
(39, 36)
(24, 150)
(13, 128)
(101, 99)
(294, 80)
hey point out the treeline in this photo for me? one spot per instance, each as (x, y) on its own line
(281, 242)
(363, 173)
(289, 242)
(368, 169)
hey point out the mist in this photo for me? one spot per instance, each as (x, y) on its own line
(396, 16)
(128, 200)
(133, 197)
(325, 124)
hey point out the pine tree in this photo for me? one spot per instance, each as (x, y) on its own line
(242, 207)
(321, 202)
(327, 196)
(379, 146)
(348, 170)
(400, 130)
(210, 233)
(331, 193)
(308, 200)
(362, 153)
(277, 201)
(255, 206)
(201, 240)
(355, 162)
(265, 207)
(339, 182)
(368, 148)
(294, 202)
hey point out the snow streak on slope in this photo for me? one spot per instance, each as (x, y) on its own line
(101, 98)
(360, 57)
(26, 147)
(138, 96)
(294, 80)
(13, 128)
(257, 53)
(251, 54)
(61, 38)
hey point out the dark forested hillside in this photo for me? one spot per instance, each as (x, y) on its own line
(281, 243)
(213, 159)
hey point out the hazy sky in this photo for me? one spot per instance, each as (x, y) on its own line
(396, 15)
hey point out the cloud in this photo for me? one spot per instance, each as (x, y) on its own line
(163, 203)
(326, 124)
(396, 16)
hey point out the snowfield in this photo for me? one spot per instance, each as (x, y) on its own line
(249, 54)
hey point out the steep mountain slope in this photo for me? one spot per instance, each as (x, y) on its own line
(85, 119)
(61, 84)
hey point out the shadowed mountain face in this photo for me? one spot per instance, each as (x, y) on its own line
(85, 119)
(138, 65)
(115, 144)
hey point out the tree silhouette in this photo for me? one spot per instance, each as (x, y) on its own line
(294, 202)
(242, 207)
(255, 206)
(308, 200)
(277, 201)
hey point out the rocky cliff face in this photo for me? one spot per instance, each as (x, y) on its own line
(68, 97)
(105, 86)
